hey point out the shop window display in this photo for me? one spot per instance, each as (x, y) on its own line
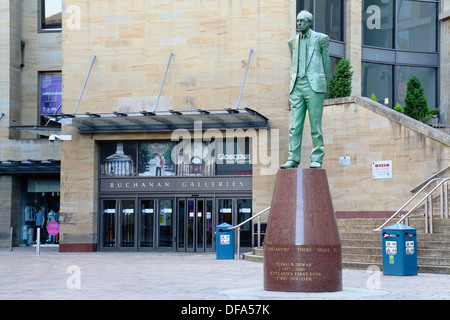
(40, 210)
(171, 158)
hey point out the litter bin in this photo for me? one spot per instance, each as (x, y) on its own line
(399, 250)
(224, 241)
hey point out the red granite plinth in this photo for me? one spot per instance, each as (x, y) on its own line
(302, 248)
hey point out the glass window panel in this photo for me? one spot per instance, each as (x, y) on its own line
(377, 79)
(118, 159)
(304, 5)
(328, 18)
(165, 223)
(190, 224)
(147, 214)
(427, 77)
(109, 223)
(225, 211)
(200, 219)
(417, 25)
(181, 222)
(127, 223)
(245, 212)
(51, 14)
(155, 158)
(378, 23)
(209, 224)
(234, 157)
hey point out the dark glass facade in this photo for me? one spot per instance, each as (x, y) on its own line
(170, 195)
(399, 40)
(328, 16)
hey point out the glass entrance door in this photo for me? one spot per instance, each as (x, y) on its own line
(195, 224)
(234, 211)
(127, 224)
(244, 211)
(147, 224)
(137, 224)
(165, 232)
(108, 223)
(118, 224)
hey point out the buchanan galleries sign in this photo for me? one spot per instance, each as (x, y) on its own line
(176, 184)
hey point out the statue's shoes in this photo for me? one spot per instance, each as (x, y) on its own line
(290, 164)
(315, 165)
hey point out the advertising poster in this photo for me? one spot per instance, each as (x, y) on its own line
(51, 93)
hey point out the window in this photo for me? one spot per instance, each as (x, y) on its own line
(402, 24)
(416, 26)
(427, 77)
(378, 80)
(378, 23)
(399, 40)
(174, 158)
(51, 14)
(328, 16)
(51, 92)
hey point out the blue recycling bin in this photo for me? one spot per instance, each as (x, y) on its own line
(224, 241)
(399, 250)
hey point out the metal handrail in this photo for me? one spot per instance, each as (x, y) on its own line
(238, 227)
(443, 182)
(434, 176)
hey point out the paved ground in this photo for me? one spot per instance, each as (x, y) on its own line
(177, 276)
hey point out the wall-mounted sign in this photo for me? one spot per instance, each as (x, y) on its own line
(344, 161)
(176, 184)
(382, 169)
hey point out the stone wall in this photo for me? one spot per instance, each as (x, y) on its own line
(367, 131)
(211, 41)
(24, 52)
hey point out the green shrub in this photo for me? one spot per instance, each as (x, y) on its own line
(398, 108)
(416, 105)
(341, 82)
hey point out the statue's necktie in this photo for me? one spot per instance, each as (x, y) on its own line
(302, 57)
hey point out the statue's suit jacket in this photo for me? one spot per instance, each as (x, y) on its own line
(317, 61)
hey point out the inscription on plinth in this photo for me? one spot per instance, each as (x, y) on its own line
(302, 250)
(303, 268)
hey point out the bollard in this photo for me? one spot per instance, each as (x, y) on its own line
(11, 239)
(38, 240)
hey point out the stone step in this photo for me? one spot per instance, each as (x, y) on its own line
(354, 261)
(362, 247)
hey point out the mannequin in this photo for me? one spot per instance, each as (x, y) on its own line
(51, 216)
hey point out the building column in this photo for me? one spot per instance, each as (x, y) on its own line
(444, 18)
(353, 42)
(9, 209)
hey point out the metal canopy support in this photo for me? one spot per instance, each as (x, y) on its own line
(245, 76)
(84, 86)
(162, 83)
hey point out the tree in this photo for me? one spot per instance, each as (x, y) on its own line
(416, 105)
(341, 81)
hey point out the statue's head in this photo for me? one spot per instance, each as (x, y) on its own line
(304, 21)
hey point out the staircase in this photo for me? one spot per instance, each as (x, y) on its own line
(361, 246)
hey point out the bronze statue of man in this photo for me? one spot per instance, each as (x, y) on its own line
(310, 65)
